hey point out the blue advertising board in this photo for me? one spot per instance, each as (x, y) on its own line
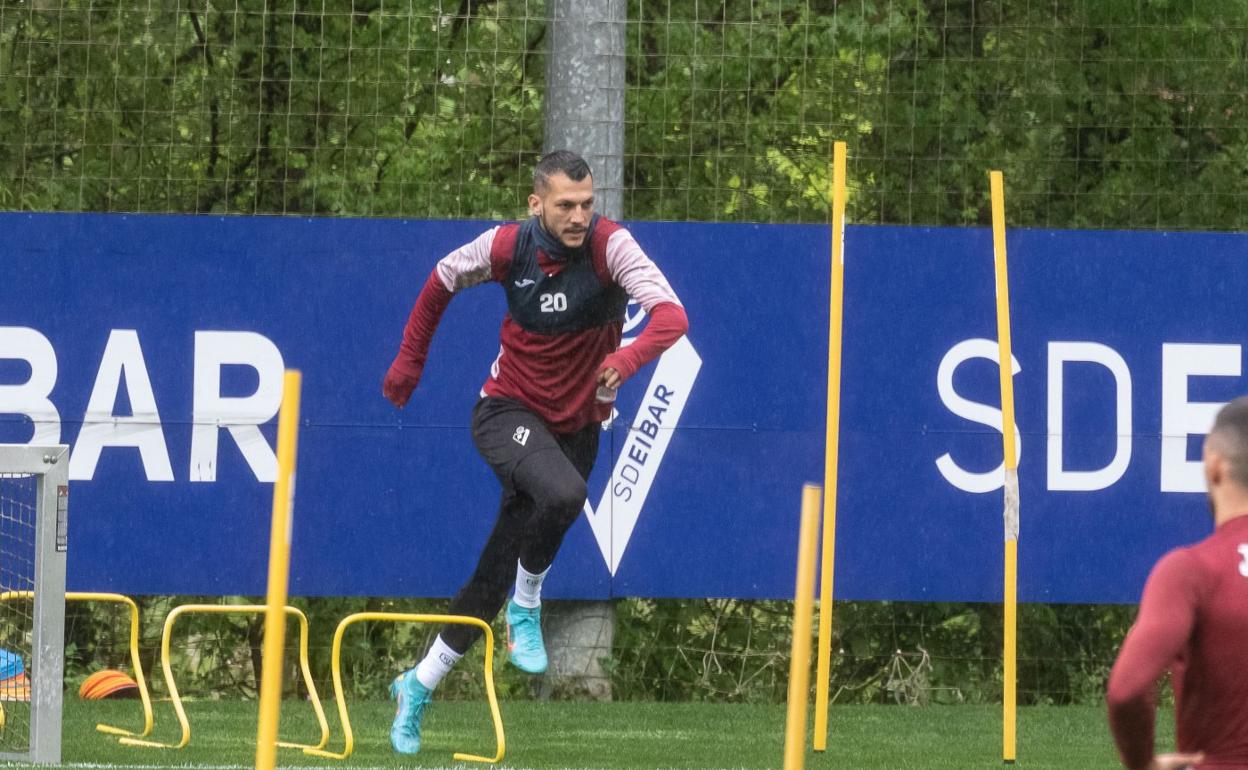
(154, 346)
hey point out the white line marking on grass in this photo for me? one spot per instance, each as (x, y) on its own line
(282, 766)
(197, 766)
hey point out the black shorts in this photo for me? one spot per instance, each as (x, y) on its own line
(507, 433)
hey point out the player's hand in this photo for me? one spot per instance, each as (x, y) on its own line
(1176, 761)
(398, 387)
(610, 378)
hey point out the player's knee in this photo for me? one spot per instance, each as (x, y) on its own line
(567, 498)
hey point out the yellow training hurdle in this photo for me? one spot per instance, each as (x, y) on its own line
(252, 609)
(84, 596)
(400, 617)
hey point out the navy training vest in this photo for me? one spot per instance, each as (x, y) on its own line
(572, 300)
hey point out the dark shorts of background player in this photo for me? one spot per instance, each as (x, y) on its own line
(543, 475)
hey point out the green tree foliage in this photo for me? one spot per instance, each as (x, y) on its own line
(1102, 113)
(265, 107)
(883, 652)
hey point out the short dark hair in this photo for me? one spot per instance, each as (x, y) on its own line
(559, 162)
(1230, 436)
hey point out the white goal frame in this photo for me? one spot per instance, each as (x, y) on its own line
(46, 664)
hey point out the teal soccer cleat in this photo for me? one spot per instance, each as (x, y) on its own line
(413, 699)
(524, 638)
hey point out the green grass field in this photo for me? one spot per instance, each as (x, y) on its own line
(615, 736)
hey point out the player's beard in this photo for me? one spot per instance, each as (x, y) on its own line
(558, 236)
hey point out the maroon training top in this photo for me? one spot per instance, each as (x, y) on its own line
(1193, 621)
(554, 375)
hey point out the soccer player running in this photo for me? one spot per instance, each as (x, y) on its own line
(1193, 619)
(568, 275)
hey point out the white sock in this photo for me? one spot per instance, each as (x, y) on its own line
(438, 663)
(528, 592)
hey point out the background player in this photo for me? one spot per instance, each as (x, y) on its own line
(1193, 620)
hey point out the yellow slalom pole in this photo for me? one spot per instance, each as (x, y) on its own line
(803, 609)
(279, 573)
(823, 669)
(1009, 696)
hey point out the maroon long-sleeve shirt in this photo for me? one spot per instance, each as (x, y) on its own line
(553, 375)
(1193, 620)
